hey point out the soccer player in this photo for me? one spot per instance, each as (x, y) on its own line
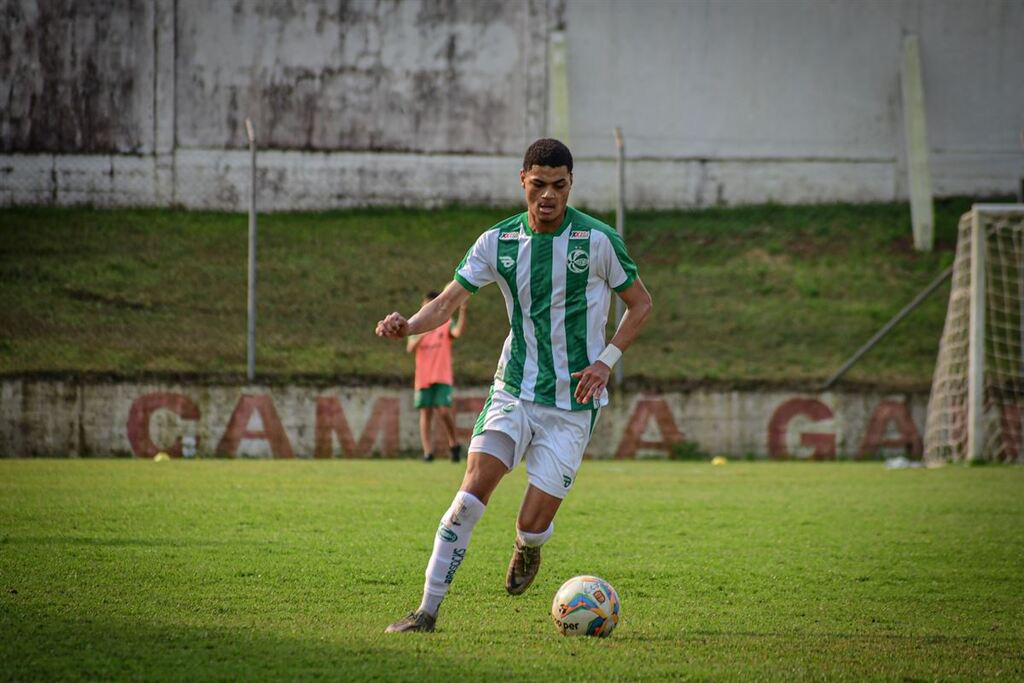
(433, 380)
(556, 268)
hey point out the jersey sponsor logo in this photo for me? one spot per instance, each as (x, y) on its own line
(447, 534)
(507, 261)
(458, 554)
(579, 234)
(578, 260)
(508, 235)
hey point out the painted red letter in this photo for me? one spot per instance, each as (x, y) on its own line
(645, 410)
(238, 427)
(382, 425)
(824, 445)
(898, 414)
(142, 410)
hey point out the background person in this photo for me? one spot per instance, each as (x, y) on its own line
(434, 379)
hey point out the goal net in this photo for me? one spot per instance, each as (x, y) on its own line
(977, 398)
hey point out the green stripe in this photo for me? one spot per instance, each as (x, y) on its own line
(541, 248)
(466, 283)
(576, 317)
(512, 375)
(479, 426)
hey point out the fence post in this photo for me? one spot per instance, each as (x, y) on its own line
(251, 326)
(620, 226)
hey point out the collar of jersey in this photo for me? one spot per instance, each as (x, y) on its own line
(525, 220)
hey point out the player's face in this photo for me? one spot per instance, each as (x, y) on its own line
(547, 193)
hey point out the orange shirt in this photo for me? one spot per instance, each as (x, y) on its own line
(434, 357)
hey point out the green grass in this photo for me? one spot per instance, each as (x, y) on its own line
(755, 294)
(284, 570)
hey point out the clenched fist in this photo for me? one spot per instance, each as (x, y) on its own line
(394, 326)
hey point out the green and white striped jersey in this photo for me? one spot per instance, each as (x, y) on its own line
(557, 288)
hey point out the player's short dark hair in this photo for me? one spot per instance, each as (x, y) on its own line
(547, 152)
(431, 295)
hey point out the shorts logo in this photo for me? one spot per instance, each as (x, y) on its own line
(446, 534)
(507, 261)
(566, 481)
(579, 235)
(508, 407)
(506, 236)
(578, 260)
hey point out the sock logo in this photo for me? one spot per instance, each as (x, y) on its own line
(447, 534)
(457, 556)
(454, 517)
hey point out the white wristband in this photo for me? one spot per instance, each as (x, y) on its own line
(610, 356)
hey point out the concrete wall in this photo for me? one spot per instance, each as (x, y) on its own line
(422, 102)
(70, 417)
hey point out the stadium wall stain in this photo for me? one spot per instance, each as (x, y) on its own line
(428, 102)
(53, 417)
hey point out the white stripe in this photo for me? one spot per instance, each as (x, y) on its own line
(616, 275)
(559, 346)
(523, 273)
(506, 349)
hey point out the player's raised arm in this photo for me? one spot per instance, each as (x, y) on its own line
(434, 313)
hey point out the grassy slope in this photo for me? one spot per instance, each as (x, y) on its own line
(760, 293)
(271, 570)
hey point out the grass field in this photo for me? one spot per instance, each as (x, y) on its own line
(758, 294)
(283, 570)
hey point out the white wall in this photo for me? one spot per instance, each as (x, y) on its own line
(423, 102)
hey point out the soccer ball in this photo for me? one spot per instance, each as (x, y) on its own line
(586, 606)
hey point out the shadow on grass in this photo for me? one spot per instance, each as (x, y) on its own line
(39, 646)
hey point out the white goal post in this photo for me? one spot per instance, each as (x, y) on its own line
(976, 405)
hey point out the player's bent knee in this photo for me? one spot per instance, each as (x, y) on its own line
(483, 472)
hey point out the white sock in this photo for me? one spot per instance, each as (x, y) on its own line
(532, 540)
(450, 548)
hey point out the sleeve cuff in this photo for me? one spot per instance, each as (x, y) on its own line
(630, 279)
(469, 286)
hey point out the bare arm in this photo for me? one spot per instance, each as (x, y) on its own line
(594, 378)
(433, 314)
(638, 308)
(460, 324)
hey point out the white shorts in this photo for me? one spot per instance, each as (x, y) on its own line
(551, 440)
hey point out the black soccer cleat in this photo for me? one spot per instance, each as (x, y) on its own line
(456, 452)
(413, 622)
